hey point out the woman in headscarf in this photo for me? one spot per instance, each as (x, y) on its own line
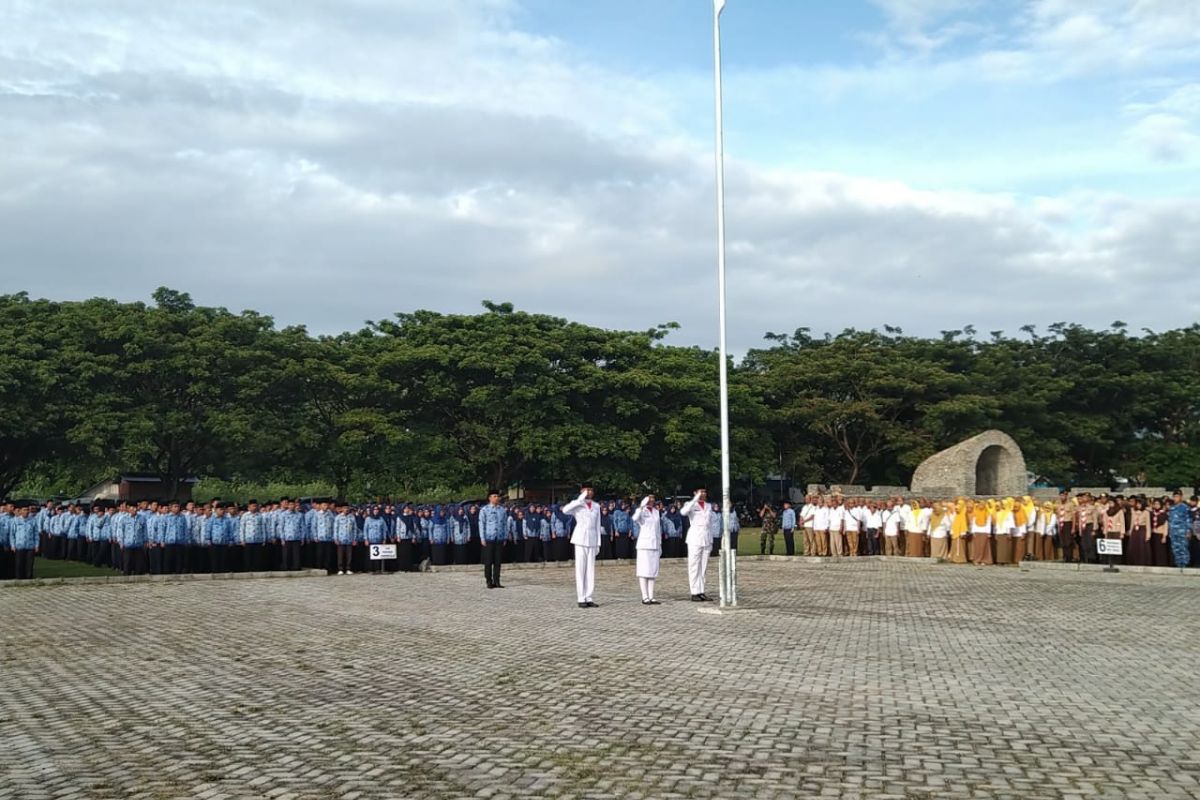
(1002, 529)
(1139, 535)
(1160, 549)
(981, 533)
(1046, 527)
(439, 537)
(375, 532)
(939, 533)
(561, 533)
(1022, 523)
(460, 534)
(1113, 522)
(958, 532)
(533, 535)
(406, 537)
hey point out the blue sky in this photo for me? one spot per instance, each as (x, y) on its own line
(334, 161)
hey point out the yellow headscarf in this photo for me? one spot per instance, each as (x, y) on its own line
(1029, 506)
(959, 527)
(982, 512)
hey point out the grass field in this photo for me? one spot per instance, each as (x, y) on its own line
(43, 568)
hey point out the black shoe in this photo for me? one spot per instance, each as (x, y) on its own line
(647, 602)
(491, 586)
(655, 603)
(590, 604)
(497, 586)
(583, 605)
(704, 598)
(695, 598)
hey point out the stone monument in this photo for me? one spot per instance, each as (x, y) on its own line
(988, 464)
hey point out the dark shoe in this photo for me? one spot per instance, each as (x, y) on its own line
(590, 604)
(491, 586)
(704, 598)
(695, 598)
(647, 602)
(655, 603)
(498, 586)
(583, 605)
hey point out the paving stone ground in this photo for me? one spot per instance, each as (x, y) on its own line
(883, 680)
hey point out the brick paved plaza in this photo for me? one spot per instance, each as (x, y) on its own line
(871, 679)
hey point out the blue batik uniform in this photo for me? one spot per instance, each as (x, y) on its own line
(5, 525)
(134, 531)
(175, 529)
(321, 526)
(669, 529)
(219, 531)
(493, 523)
(73, 526)
(787, 520)
(621, 522)
(424, 529)
(375, 530)
(196, 529)
(252, 528)
(1179, 525)
(345, 529)
(439, 528)
(23, 533)
(559, 526)
(290, 526)
(460, 528)
(533, 526)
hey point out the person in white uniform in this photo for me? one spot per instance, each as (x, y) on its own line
(586, 539)
(649, 547)
(699, 540)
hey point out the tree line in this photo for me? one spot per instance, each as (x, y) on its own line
(506, 397)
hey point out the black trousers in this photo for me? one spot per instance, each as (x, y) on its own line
(133, 560)
(461, 552)
(345, 554)
(291, 555)
(441, 554)
(1066, 537)
(561, 547)
(493, 553)
(405, 555)
(789, 540)
(624, 545)
(533, 550)
(6, 565)
(23, 564)
(218, 558)
(1087, 545)
(606, 547)
(154, 559)
(172, 559)
(872, 541)
(255, 557)
(325, 556)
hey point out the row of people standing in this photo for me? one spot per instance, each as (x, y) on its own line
(157, 538)
(1154, 532)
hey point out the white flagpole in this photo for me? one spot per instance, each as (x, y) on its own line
(728, 561)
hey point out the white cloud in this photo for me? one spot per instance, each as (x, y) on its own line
(338, 163)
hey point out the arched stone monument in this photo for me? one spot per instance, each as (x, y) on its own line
(988, 464)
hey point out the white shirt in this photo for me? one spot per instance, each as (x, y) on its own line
(891, 522)
(918, 522)
(821, 518)
(850, 518)
(649, 533)
(701, 516)
(874, 520)
(806, 515)
(587, 521)
(837, 516)
(942, 529)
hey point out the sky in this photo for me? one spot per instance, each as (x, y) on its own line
(927, 164)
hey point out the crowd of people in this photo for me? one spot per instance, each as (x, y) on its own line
(1160, 531)
(150, 537)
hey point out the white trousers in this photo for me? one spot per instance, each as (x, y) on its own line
(585, 572)
(697, 566)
